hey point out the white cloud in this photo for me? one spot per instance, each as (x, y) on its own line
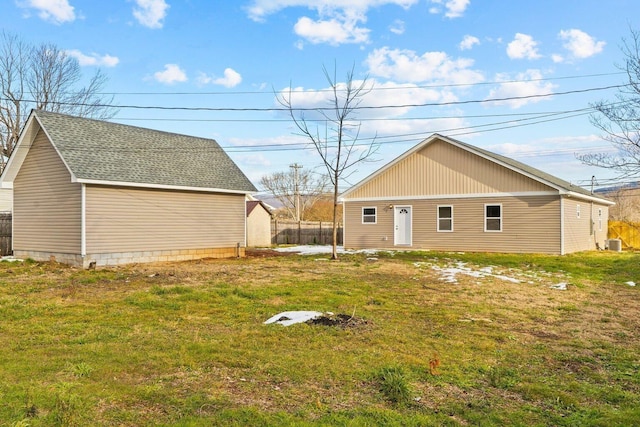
(468, 42)
(150, 13)
(523, 86)
(334, 31)
(55, 11)
(397, 27)
(231, 79)
(259, 9)
(407, 66)
(93, 59)
(523, 47)
(338, 21)
(381, 121)
(172, 74)
(453, 8)
(580, 44)
(557, 58)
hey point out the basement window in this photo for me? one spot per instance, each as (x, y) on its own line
(445, 218)
(493, 218)
(369, 215)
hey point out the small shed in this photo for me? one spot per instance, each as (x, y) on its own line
(444, 194)
(94, 193)
(258, 224)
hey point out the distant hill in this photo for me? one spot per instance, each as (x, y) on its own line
(627, 186)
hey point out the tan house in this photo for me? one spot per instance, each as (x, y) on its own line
(89, 192)
(258, 224)
(447, 195)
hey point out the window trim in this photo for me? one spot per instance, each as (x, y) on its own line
(500, 218)
(438, 218)
(374, 215)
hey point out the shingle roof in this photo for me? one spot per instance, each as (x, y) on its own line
(101, 151)
(252, 204)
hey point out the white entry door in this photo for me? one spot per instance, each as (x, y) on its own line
(402, 225)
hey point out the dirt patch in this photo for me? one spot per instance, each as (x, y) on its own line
(343, 321)
(266, 253)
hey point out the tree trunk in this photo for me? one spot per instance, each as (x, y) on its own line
(334, 252)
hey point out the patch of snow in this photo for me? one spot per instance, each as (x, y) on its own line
(630, 283)
(10, 259)
(449, 274)
(560, 286)
(323, 249)
(506, 278)
(287, 318)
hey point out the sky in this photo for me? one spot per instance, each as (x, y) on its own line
(514, 77)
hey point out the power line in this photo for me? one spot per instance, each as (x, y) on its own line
(374, 88)
(362, 107)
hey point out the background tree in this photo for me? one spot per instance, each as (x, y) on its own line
(620, 120)
(322, 209)
(296, 186)
(43, 77)
(335, 135)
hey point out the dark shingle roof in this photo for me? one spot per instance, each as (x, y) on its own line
(96, 150)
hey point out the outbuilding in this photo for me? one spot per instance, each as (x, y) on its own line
(94, 193)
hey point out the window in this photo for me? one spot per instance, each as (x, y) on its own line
(577, 211)
(492, 217)
(445, 218)
(369, 215)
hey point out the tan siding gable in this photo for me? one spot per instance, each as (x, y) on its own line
(124, 220)
(441, 168)
(47, 205)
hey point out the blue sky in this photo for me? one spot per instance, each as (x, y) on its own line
(546, 59)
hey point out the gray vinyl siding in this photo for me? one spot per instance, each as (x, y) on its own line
(120, 219)
(530, 224)
(47, 205)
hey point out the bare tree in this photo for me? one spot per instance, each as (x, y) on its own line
(620, 120)
(43, 77)
(335, 136)
(297, 190)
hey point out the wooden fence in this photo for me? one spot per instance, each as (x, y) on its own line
(303, 232)
(627, 232)
(5, 234)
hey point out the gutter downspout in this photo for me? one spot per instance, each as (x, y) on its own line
(83, 222)
(562, 225)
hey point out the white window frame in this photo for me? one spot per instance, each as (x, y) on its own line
(374, 215)
(500, 218)
(439, 218)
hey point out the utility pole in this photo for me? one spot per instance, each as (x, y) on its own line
(296, 189)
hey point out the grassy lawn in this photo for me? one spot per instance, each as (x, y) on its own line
(184, 344)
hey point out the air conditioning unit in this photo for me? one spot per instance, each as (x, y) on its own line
(614, 245)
